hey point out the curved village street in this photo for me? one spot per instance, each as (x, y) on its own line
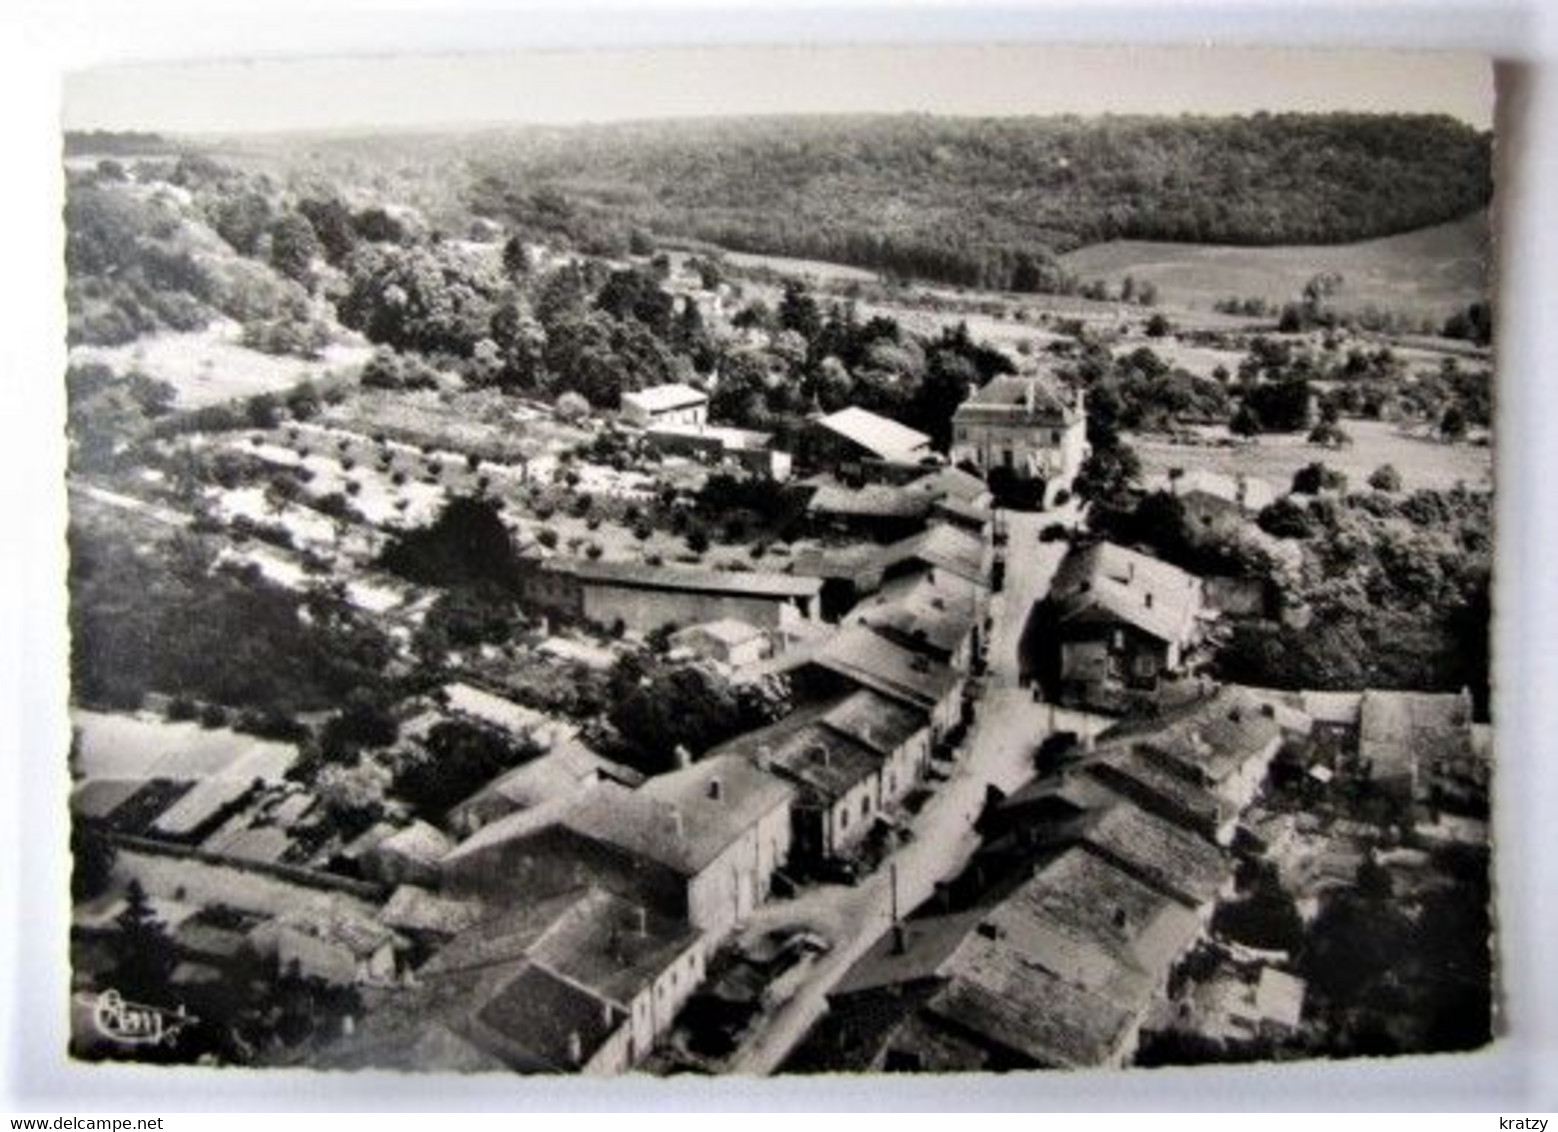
(1008, 726)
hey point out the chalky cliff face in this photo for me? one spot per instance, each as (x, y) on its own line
(524, 623)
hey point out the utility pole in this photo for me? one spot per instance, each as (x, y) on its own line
(892, 879)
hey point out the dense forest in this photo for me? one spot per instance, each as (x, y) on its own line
(984, 202)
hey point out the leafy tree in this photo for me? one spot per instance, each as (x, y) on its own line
(1385, 478)
(1281, 406)
(354, 795)
(1329, 434)
(467, 543)
(799, 312)
(1108, 474)
(455, 760)
(294, 246)
(686, 706)
(572, 408)
(1312, 479)
(331, 222)
(362, 722)
(1452, 426)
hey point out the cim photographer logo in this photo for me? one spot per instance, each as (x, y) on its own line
(136, 1023)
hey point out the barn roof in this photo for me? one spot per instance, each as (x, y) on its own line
(882, 437)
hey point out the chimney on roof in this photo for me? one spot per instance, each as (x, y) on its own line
(1130, 572)
(1269, 710)
(1147, 598)
(682, 755)
(678, 826)
(900, 940)
(605, 1015)
(716, 790)
(640, 920)
(764, 757)
(575, 1048)
(1120, 918)
(990, 930)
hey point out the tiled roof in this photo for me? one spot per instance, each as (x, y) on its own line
(942, 546)
(610, 946)
(534, 1020)
(1211, 738)
(865, 657)
(1110, 583)
(951, 484)
(883, 501)
(1125, 770)
(1165, 856)
(939, 613)
(1004, 998)
(1397, 731)
(882, 437)
(710, 825)
(826, 764)
(880, 723)
(566, 769)
(1012, 399)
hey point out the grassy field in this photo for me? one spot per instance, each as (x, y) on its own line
(212, 365)
(1422, 461)
(1427, 274)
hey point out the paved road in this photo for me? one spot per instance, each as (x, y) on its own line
(1008, 726)
(1030, 567)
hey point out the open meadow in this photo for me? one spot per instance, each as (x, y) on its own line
(1425, 274)
(1423, 461)
(210, 366)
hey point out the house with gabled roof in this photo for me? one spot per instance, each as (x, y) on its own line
(701, 842)
(857, 656)
(1121, 621)
(1061, 973)
(1028, 426)
(581, 981)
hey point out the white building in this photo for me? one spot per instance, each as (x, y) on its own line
(1029, 425)
(666, 404)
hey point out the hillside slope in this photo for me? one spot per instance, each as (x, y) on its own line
(1428, 273)
(969, 201)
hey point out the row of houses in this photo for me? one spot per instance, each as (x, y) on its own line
(1055, 948)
